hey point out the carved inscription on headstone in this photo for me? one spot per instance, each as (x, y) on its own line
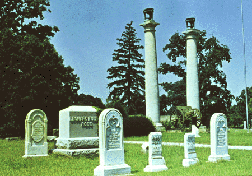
(219, 145)
(221, 136)
(156, 145)
(191, 144)
(37, 131)
(36, 134)
(113, 131)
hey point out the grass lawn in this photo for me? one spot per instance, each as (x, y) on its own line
(236, 137)
(12, 162)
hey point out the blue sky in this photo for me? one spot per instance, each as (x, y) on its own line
(89, 28)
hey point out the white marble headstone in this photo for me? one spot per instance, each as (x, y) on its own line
(156, 161)
(189, 150)
(219, 146)
(111, 146)
(36, 134)
(195, 131)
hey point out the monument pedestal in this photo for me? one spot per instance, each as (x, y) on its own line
(156, 165)
(215, 158)
(77, 152)
(188, 162)
(112, 170)
(77, 146)
(35, 150)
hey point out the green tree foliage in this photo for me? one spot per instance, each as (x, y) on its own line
(128, 76)
(33, 75)
(88, 100)
(214, 96)
(237, 112)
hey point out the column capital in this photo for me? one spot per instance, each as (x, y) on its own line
(149, 25)
(191, 33)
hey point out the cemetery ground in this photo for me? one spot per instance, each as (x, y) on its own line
(12, 162)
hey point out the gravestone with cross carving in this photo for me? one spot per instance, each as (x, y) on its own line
(189, 150)
(218, 130)
(155, 160)
(36, 134)
(111, 148)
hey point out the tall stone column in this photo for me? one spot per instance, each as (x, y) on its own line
(192, 80)
(151, 76)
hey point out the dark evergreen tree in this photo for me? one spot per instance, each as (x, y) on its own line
(128, 76)
(88, 100)
(214, 96)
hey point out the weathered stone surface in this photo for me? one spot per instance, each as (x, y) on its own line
(219, 146)
(145, 147)
(195, 131)
(36, 134)
(78, 129)
(111, 147)
(76, 152)
(78, 143)
(189, 150)
(155, 160)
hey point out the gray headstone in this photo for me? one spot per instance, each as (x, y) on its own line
(218, 130)
(111, 146)
(36, 134)
(155, 160)
(189, 150)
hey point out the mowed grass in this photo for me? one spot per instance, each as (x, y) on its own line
(236, 137)
(12, 162)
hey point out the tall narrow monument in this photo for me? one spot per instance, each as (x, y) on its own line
(192, 80)
(151, 76)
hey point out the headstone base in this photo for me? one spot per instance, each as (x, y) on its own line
(76, 152)
(215, 158)
(156, 165)
(77, 143)
(112, 170)
(155, 168)
(27, 156)
(188, 162)
(33, 150)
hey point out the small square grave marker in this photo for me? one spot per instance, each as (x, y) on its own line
(218, 130)
(156, 161)
(36, 134)
(189, 150)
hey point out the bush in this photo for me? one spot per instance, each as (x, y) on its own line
(168, 125)
(137, 125)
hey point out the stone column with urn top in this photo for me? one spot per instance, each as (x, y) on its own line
(151, 75)
(192, 80)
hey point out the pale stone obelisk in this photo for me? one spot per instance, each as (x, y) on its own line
(192, 80)
(151, 76)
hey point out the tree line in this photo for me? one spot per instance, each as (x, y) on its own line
(33, 75)
(128, 77)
